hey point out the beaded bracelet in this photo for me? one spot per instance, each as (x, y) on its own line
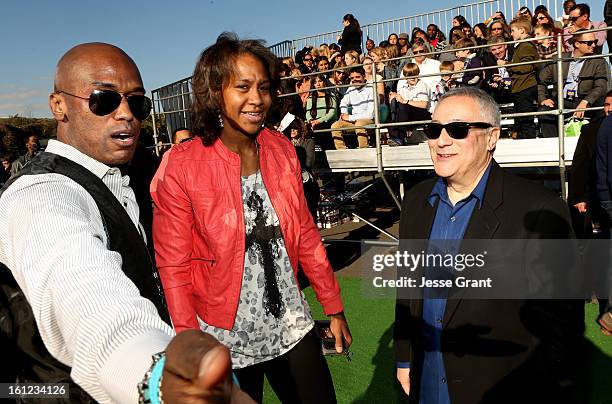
(149, 389)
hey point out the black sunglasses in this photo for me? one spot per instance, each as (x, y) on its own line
(103, 102)
(588, 43)
(574, 19)
(418, 52)
(456, 130)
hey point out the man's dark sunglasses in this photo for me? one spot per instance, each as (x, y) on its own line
(456, 130)
(588, 43)
(103, 102)
(574, 19)
(418, 52)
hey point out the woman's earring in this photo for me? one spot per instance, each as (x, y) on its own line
(220, 121)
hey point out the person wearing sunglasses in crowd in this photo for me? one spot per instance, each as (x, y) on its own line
(233, 204)
(585, 83)
(85, 302)
(441, 356)
(580, 19)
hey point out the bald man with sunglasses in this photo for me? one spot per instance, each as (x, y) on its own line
(472, 351)
(78, 289)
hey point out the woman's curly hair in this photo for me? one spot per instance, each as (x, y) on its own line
(212, 73)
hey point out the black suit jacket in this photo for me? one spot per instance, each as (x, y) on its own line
(497, 351)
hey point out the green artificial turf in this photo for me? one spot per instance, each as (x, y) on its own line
(370, 376)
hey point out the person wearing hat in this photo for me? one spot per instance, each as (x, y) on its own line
(402, 43)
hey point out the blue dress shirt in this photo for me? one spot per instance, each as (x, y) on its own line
(450, 223)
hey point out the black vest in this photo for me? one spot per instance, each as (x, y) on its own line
(25, 357)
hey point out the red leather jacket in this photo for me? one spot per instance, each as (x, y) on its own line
(199, 231)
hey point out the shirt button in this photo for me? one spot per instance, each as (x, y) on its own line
(439, 320)
(443, 380)
(453, 218)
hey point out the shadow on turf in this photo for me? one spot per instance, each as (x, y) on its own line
(383, 387)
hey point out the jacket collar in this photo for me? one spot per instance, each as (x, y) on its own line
(233, 158)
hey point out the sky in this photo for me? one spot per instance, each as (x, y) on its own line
(164, 37)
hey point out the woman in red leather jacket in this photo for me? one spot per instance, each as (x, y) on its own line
(231, 227)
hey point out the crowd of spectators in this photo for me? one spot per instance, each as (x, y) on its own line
(344, 99)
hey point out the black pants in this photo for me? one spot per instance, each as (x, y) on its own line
(407, 113)
(299, 376)
(524, 102)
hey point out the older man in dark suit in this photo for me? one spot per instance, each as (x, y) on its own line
(482, 351)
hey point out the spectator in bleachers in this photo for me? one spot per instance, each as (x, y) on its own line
(497, 16)
(336, 58)
(542, 17)
(437, 40)
(586, 82)
(426, 64)
(413, 99)
(392, 39)
(498, 82)
(458, 20)
(359, 100)
(307, 65)
(580, 18)
(322, 64)
(302, 88)
(32, 146)
(499, 28)
(547, 47)
(370, 44)
(180, 135)
(402, 44)
(351, 34)
(351, 58)
(524, 78)
(446, 83)
(524, 12)
(368, 67)
(338, 78)
(469, 60)
(455, 34)
(480, 34)
(419, 35)
(567, 7)
(295, 71)
(305, 150)
(392, 62)
(466, 28)
(321, 111)
(324, 51)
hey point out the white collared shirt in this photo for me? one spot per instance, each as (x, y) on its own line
(90, 315)
(360, 101)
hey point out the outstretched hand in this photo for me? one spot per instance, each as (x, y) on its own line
(198, 370)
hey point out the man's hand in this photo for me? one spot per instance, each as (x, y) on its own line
(548, 103)
(344, 117)
(342, 334)
(501, 62)
(581, 207)
(580, 114)
(198, 370)
(403, 376)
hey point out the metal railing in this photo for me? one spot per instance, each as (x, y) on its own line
(379, 31)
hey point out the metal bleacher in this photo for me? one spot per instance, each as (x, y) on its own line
(171, 103)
